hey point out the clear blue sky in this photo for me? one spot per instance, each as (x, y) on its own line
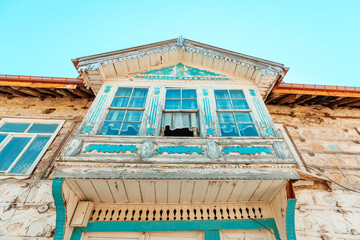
(318, 40)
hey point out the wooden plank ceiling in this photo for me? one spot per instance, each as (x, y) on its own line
(174, 191)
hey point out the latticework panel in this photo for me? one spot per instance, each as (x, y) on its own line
(178, 212)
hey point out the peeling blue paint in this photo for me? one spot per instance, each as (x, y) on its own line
(157, 91)
(210, 131)
(60, 208)
(150, 131)
(252, 92)
(107, 89)
(87, 129)
(105, 148)
(246, 149)
(96, 111)
(181, 72)
(179, 149)
(265, 122)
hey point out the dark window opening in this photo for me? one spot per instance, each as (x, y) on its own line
(181, 132)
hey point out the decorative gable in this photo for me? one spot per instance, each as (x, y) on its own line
(181, 72)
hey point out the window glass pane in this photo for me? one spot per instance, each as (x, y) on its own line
(137, 103)
(115, 115)
(172, 104)
(188, 93)
(14, 127)
(11, 151)
(237, 94)
(247, 130)
(189, 104)
(173, 94)
(221, 94)
(226, 117)
(243, 117)
(223, 104)
(140, 92)
(130, 129)
(2, 137)
(43, 128)
(133, 116)
(110, 128)
(229, 130)
(123, 92)
(240, 104)
(120, 102)
(25, 162)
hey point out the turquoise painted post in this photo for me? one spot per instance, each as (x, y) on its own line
(212, 235)
(290, 219)
(60, 208)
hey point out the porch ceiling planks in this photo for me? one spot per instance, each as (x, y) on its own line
(175, 191)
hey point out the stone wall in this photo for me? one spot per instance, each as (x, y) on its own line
(328, 143)
(27, 208)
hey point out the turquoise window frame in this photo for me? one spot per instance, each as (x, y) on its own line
(211, 228)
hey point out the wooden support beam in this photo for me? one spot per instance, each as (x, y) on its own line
(13, 91)
(354, 104)
(49, 92)
(316, 92)
(79, 93)
(303, 99)
(272, 97)
(288, 99)
(66, 93)
(30, 91)
(345, 101)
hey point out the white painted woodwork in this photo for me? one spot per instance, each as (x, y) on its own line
(133, 191)
(175, 191)
(118, 190)
(256, 234)
(147, 191)
(88, 189)
(180, 212)
(178, 235)
(174, 188)
(81, 214)
(103, 191)
(279, 206)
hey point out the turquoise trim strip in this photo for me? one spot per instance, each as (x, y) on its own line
(60, 208)
(100, 108)
(206, 113)
(92, 117)
(151, 109)
(209, 226)
(290, 220)
(208, 105)
(156, 107)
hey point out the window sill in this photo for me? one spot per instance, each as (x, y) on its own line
(14, 176)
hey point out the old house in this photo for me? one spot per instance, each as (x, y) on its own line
(178, 140)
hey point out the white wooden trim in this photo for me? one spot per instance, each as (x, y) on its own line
(33, 136)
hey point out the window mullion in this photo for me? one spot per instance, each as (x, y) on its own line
(22, 153)
(6, 141)
(31, 124)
